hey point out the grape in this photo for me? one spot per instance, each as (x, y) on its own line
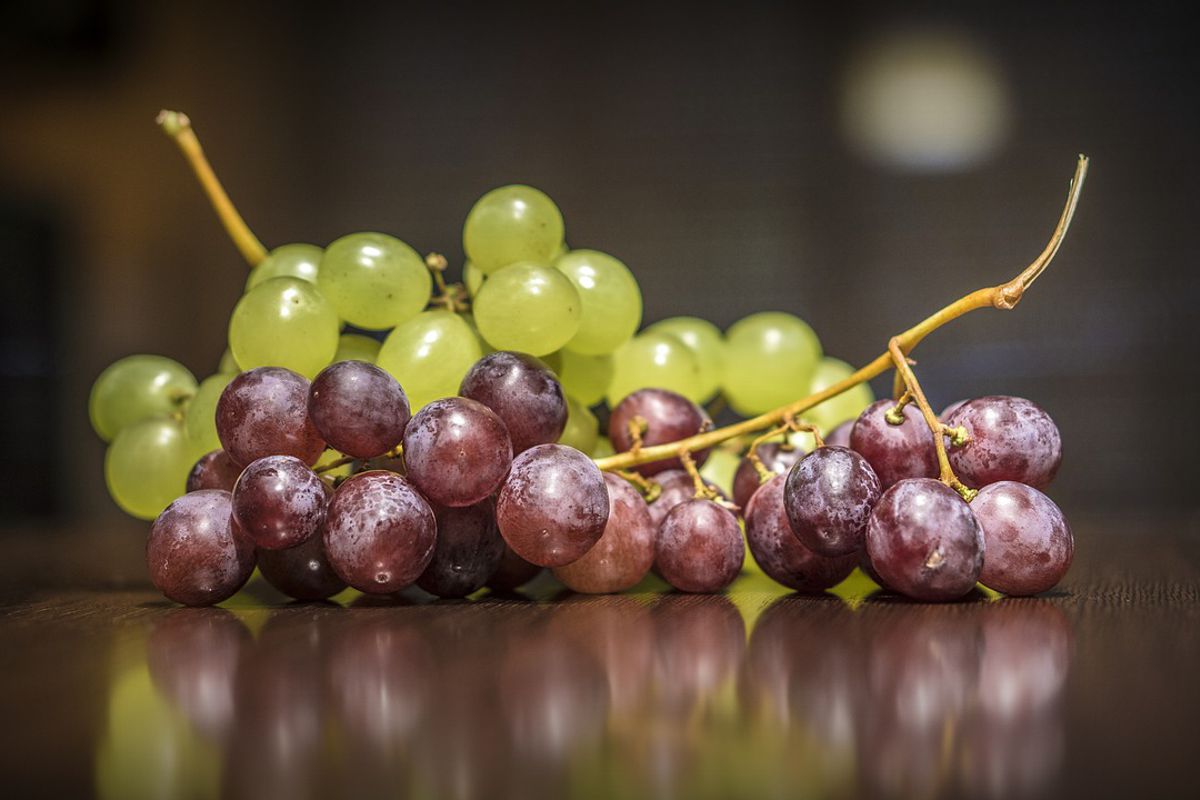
(201, 418)
(343, 471)
(279, 502)
(829, 495)
(840, 408)
(783, 556)
(284, 322)
(675, 487)
(950, 409)
(864, 563)
(582, 429)
(523, 392)
(228, 365)
(1012, 439)
(468, 551)
(147, 466)
(302, 572)
(776, 457)
(137, 388)
(699, 547)
(1028, 545)
(358, 409)
(553, 506)
(457, 451)
(669, 417)
(706, 343)
(195, 554)
(287, 261)
(654, 360)
(379, 533)
(429, 355)
(214, 470)
(510, 224)
(770, 358)
(356, 347)
(603, 448)
(513, 572)
(840, 436)
(473, 278)
(610, 299)
(264, 412)
(373, 280)
(625, 551)
(585, 378)
(527, 307)
(895, 452)
(924, 541)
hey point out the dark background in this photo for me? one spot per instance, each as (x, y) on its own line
(707, 145)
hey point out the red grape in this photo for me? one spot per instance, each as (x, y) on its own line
(264, 412)
(302, 572)
(775, 456)
(457, 451)
(829, 496)
(699, 547)
(669, 417)
(214, 470)
(358, 408)
(469, 548)
(625, 551)
(279, 502)
(950, 409)
(895, 452)
(1012, 439)
(513, 572)
(523, 392)
(1028, 545)
(780, 553)
(195, 553)
(840, 436)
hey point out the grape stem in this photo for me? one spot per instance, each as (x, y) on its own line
(1004, 297)
(452, 297)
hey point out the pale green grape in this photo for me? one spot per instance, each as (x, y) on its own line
(228, 365)
(284, 322)
(511, 224)
(356, 347)
(429, 355)
(603, 448)
(770, 358)
(847, 405)
(611, 300)
(529, 308)
(706, 341)
(484, 347)
(582, 430)
(373, 280)
(654, 360)
(473, 278)
(201, 419)
(135, 388)
(287, 261)
(147, 465)
(585, 377)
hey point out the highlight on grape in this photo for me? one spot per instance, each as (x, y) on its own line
(372, 426)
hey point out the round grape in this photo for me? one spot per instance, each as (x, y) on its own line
(195, 554)
(137, 388)
(457, 451)
(950, 409)
(201, 417)
(706, 343)
(770, 359)
(675, 486)
(510, 224)
(655, 360)
(264, 412)
(356, 347)
(287, 261)
(147, 466)
(429, 355)
(473, 278)
(829, 495)
(527, 307)
(895, 452)
(610, 301)
(358, 409)
(284, 322)
(668, 417)
(468, 551)
(1028, 544)
(214, 470)
(513, 572)
(582, 430)
(302, 572)
(699, 547)
(373, 280)
(228, 365)
(1012, 439)
(586, 378)
(777, 550)
(625, 551)
(279, 502)
(775, 456)
(840, 436)
(839, 408)
(523, 392)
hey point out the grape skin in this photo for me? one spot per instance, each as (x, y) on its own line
(840, 436)
(1028, 544)
(895, 452)
(429, 355)
(625, 551)
(201, 417)
(839, 408)
(214, 470)
(775, 456)
(676, 486)
(284, 322)
(147, 465)
(523, 392)
(610, 301)
(669, 417)
(279, 502)
(527, 307)
(287, 261)
(374, 281)
(195, 554)
(137, 388)
(510, 224)
(655, 359)
(302, 572)
(356, 347)
(513, 572)
(358, 409)
(829, 495)
(770, 359)
(586, 378)
(780, 553)
(1012, 439)
(706, 343)
(699, 547)
(264, 412)
(582, 430)
(457, 451)
(468, 551)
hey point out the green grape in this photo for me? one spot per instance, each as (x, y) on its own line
(228, 364)
(430, 354)
(585, 377)
(284, 322)
(472, 278)
(847, 405)
(511, 224)
(654, 360)
(287, 261)
(582, 430)
(603, 448)
(706, 342)
(529, 308)
(610, 297)
(201, 419)
(373, 280)
(328, 457)
(770, 358)
(356, 347)
(147, 465)
(484, 347)
(135, 388)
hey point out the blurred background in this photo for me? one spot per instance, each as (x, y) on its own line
(856, 164)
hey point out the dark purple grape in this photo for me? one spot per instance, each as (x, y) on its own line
(950, 409)
(778, 457)
(523, 392)
(924, 541)
(676, 487)
(457, 451)
(302, 572)
(840, 436)
(782, 555)
(379, 532)
(214, 470)
(1012, 439)
(625, 551)
(469, 548)
(279, 502)
(264, 412)
(669, 417)
(195, 553)
(699, 547)
(829, 497)
(359, 409)
(864, 563)
(553, 506)
(513, 572)
(895, 452)
(1028, 545)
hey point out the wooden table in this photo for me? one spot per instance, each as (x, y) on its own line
(1090, 691)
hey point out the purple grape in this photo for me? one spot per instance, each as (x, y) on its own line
(523, 392)
(359, 409)
(302, 572)
(950, 409)
(554, 505)
(895, 452)
(775, 456)
(676, 487)
(699, 547)
(513, 572)
(214, 470)
(1028, 545)
(469, 548)
(279, 502)
(625, 551)
(829, 497)
(840, 436)
(264, 412)
(195, 553)
(864, 563)
(379, 532)
(457, 451)
(669, 417)
(1012, 439)
(782, 555)
(924, 541)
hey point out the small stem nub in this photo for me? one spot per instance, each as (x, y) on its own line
(452, 297)
(650, 490)
(637, 428)
(703, 490)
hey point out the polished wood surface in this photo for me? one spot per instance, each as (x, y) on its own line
(1091, 690)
